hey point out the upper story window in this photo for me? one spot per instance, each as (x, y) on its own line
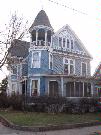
(60, 41)
(84, 69)
(68, 66)
(50, 61)
(14, 69)
(36, 59)
(72, 44)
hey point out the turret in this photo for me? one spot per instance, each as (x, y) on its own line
(41, 30)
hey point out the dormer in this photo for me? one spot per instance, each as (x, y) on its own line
(41, 30)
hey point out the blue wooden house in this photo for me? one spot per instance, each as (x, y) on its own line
(52, 63)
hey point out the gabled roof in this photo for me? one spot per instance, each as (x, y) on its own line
(76, 37)
(19, 48)
(41, 19)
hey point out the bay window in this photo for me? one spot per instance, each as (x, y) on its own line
(68, 66)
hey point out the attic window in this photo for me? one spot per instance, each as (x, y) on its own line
(64, 41)
(36, 59)
(67, 43)
(60, 41)
(72, 45)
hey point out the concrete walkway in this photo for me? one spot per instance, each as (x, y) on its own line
(79, 131)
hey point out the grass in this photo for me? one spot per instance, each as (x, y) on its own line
(35, 119)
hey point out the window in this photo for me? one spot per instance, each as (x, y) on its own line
(67, 43)
(50, 61)
(34, 87)
(84, 69)
(36, 60)
(14, 69)
(64, 42)
(72, 44)
(68, 66)
(14, 87)
(60, 41)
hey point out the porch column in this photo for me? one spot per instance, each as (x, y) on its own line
(62, 86)
(36, 37)
(25, 88)
(83, 89)
(45, 37)
(74, 90)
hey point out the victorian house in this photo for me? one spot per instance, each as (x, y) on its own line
(52, 63)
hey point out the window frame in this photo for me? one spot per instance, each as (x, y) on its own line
(38, 89)
(69, 64)
(39, 59)
(81, 68)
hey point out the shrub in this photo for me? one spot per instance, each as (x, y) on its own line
(16, 102)
(4, 101)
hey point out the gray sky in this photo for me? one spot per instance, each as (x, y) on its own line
(87, 27)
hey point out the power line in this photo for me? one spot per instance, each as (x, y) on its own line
(63, 5)
(75, 10)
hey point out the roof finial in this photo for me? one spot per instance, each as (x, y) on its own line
(41, 4)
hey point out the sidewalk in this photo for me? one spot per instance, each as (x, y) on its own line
(78, 131)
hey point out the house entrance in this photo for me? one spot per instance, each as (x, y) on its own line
(53, 88)
(70, 89)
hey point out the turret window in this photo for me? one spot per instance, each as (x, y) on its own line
(36, 59)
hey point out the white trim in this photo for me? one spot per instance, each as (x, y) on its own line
(74, 35)
(49, 60)
(69, 59)
(81, 68)
(39, 59)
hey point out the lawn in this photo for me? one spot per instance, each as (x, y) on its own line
(34, 119)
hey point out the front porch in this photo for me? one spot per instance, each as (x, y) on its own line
(63, 86)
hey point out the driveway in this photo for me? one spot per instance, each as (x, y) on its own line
(79, 131)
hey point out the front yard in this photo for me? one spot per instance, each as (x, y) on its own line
(35, 119)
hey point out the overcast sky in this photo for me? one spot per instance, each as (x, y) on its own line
(87, 27)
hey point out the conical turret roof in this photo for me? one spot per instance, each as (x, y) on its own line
(41, 19)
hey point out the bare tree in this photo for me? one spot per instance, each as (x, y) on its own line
(17, 28)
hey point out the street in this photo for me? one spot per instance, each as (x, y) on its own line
(79, 131)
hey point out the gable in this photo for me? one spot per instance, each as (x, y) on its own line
(67, 33)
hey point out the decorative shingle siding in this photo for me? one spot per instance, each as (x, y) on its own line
(77, 46)
(44, 67)
(24, 69)
(57, 64)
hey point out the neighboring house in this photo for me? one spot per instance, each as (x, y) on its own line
(97, 76)
(53, 63)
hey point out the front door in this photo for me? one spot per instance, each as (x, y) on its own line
(53, 88)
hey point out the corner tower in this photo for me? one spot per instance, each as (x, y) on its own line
(41, 30)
